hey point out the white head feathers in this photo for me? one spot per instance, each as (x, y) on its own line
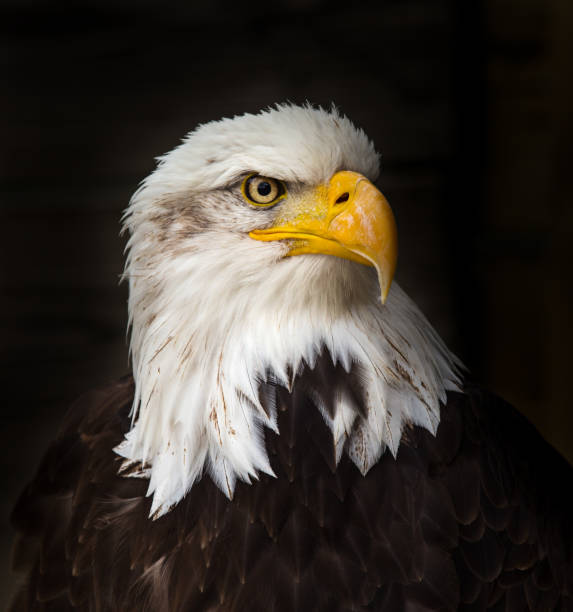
(213, 311)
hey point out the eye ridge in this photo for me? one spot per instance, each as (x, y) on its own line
(262, 191)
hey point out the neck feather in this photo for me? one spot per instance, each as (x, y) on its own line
(200, 356)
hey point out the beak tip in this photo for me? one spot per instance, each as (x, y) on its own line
(384, 283)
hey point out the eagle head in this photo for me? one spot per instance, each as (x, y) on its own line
(256, 245)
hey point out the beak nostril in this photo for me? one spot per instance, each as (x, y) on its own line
(343, 198)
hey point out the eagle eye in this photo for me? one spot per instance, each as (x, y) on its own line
(263, 190)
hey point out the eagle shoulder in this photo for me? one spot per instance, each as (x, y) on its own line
(476, 516)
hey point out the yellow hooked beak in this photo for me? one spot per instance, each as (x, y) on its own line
(347, 217)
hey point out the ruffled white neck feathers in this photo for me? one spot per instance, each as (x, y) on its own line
(199, 357)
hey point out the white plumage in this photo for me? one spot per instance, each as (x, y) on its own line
(213, 312)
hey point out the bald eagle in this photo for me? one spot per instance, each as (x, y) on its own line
(295, 435)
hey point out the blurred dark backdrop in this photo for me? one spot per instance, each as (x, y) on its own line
(469, 102)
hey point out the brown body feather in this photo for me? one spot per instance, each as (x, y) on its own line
(478, 517)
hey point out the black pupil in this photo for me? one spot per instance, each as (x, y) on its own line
(264, 188)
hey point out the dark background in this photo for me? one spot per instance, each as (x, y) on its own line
(469, 102)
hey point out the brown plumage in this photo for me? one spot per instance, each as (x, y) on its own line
(478, 517)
